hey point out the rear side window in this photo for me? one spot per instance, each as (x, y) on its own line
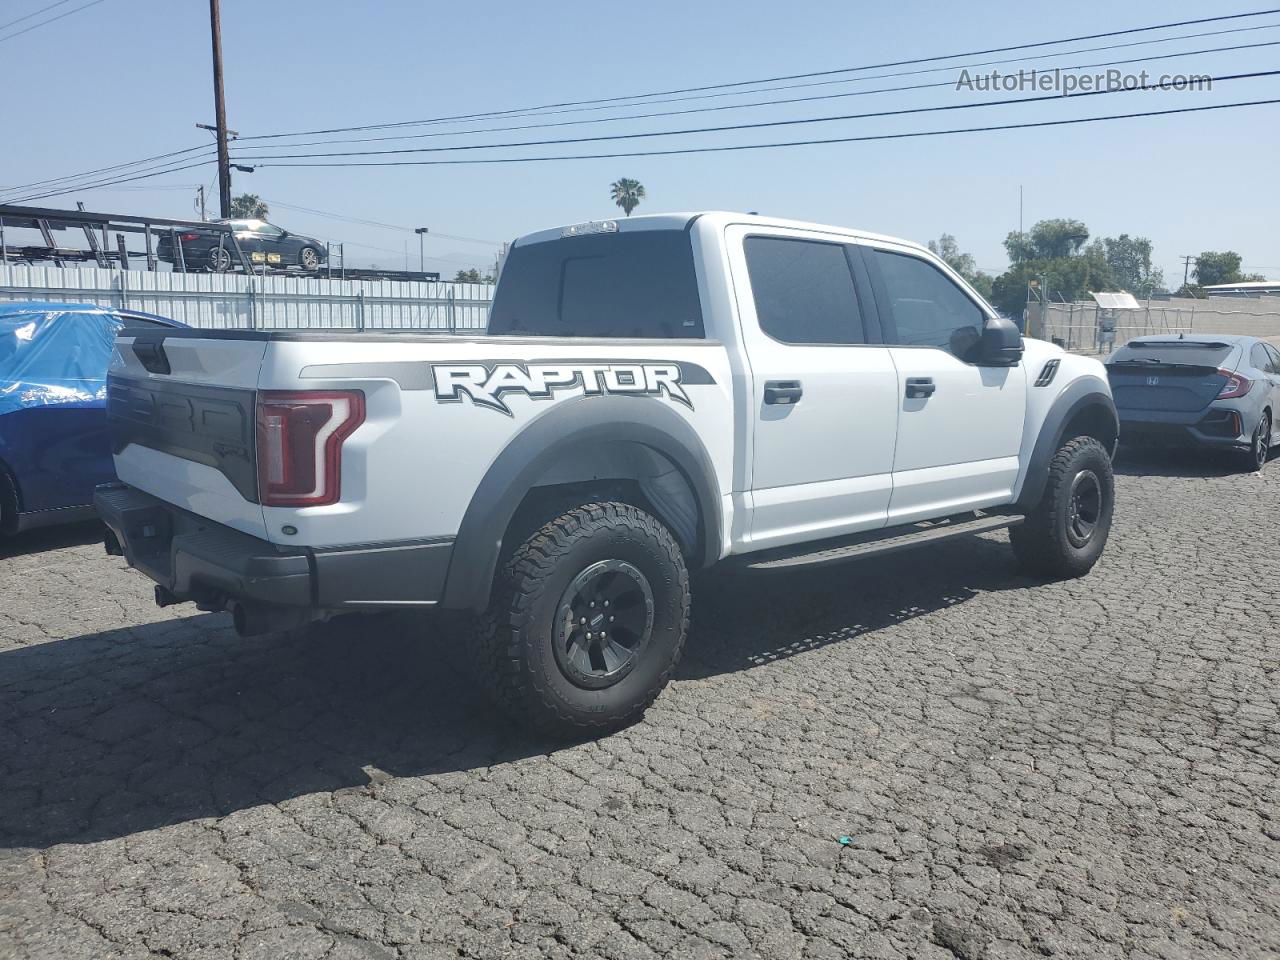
(1275, 358)
(637, 283)
(803, 291)
(928, 309)
(1259, 357)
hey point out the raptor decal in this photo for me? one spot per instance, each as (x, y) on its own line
(487, 383)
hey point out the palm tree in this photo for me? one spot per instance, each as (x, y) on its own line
(248, 206)
(627, 194)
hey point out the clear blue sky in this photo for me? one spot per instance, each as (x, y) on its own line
(126, 79)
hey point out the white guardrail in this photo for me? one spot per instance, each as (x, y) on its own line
(239, 301)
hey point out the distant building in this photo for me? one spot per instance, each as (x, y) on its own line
(1253, 288)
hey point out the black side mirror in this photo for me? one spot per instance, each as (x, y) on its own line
(1001, 344)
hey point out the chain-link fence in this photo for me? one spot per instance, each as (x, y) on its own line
(1089, 329)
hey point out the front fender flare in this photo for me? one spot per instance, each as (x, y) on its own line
(1086, 394)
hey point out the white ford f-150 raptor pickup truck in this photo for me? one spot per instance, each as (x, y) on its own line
(652, 396)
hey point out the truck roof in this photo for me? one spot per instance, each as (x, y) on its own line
(678, 221)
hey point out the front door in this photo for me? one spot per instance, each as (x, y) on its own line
(959, 424)
(824, 391)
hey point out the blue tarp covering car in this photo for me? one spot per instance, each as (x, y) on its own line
(53, 439)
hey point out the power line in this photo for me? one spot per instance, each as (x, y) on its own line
(109, 183)
(788, 143)
(795, 86)
(59, 3)
(794, 76)
(117, 166)
(789, 100)
(44, 23)
(120, 176)
(376, 223)
(756, 126)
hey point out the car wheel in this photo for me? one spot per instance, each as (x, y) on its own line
(219, 260)
(587, 621)
(309, 258)
(1065, 532)
(1259, 445)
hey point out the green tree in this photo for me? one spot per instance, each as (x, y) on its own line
(1130, 261)
(627, 194)
(472, 276)
(248, 206)
(1047, 240)
(948, 250)
(1054, 253)
(1213, 268)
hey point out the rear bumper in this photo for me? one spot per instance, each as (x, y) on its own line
(195, 559)
(1209, 428)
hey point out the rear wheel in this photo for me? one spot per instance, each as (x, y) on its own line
(1255, 457)
(219, 260)
(1065, 532)
(587, 621)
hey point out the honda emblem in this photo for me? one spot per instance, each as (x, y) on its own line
(1153, 381)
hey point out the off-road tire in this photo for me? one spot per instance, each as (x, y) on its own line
(1046, 543)
(515, 654)
(1255, 458)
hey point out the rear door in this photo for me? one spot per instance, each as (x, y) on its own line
(180, 413)
(959, 424)
(823, 387)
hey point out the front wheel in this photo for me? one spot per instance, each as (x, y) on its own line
(309, 259)
(587, 621)
(1063, 535)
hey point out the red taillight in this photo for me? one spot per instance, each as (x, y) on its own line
(300, 436)
(1236, 385)
(188, 237)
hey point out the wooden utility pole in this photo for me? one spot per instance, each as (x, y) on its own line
(220, 111)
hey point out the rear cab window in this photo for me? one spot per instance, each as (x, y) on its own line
(628, 284)
(804, 290)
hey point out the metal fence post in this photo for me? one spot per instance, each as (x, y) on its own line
(253, 303)
(360, 309)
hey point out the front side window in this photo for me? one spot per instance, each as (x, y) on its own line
(928, 309)
(803, 290)
(636, 283)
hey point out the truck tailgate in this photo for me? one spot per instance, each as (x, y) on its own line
(180, 413)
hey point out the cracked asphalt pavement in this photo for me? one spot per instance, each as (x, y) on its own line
(1081, 769)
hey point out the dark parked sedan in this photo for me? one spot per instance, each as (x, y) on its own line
(1200, 389)
(262, 243)
(53, 420)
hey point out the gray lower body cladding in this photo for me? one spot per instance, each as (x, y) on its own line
(195, 559)
(1219, 425)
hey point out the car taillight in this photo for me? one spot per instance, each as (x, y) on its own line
(1236, 385)
(300, 436)
(188, 237)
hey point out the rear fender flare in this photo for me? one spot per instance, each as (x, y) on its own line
(539, 452)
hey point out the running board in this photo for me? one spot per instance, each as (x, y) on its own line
(898, 538)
